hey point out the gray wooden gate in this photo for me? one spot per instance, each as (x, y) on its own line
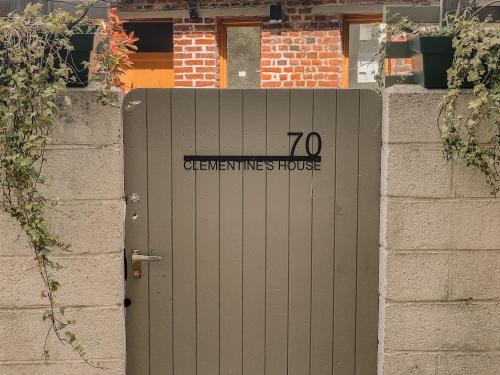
(270, 270)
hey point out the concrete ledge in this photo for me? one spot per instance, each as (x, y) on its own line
(84, 173)
(440, 224)
(458, 326)
(112, 367)
(87, 121)
(75, 223)
(85, 280)
(409, 114)
(101, 331)
(410, 363)
(415, 171)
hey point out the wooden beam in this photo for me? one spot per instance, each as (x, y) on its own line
(251, 11)
(331, 9)
(154, 14)
(415, 13)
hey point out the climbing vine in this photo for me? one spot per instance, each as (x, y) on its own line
(474, 136)
(34, 71)
(469, 131)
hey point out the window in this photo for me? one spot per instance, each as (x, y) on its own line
(360, 44)
(153, 63)
(240, 55)
(153, 36)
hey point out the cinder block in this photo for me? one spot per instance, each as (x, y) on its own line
(410, 113)
(469, 364)
(442, 326)
(101, 331)
(89, 227)
(85, 280)
(416, 276)
(111, 367)
(84, 173)
(87, 121)
(475, 275)
(409, 364)
(469, 181)
(415, 171)
(440, 224)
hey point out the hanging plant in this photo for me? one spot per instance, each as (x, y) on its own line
(475, 136)
(35, 67)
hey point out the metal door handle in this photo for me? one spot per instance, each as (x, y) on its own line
(137, 260)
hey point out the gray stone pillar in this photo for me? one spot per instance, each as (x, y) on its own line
(440, 250)
(85, 172)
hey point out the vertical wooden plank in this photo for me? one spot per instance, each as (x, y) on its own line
(368, 231)
(160, 230)
(207, 234)
(184, 222)
(277, 224)
(323, 222)
(301, 117)
(254, 233)
(136, 229)
(345, 231)
(231, 216)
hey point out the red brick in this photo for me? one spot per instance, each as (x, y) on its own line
(183, 42)
(204, 69)
(183, 55)
(193, 62)
(205, 84)
(327, 83)
(183, 84)
(194, 76)
(204, 41)
(270, 55)
(270, 70)
(206, 55)
(271, 84)
(183, 69)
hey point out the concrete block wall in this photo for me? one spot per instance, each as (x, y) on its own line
(84, 171)
(440, 250)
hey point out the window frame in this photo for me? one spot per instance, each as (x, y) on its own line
(223, 26)
(346, 22)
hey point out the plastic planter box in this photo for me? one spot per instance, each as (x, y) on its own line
(431, 57)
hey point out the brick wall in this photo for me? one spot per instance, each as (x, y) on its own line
(84, 171)
(304, 50)
(301, 59)
(195, 53)
(439, 256)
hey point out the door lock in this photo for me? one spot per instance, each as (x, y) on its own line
(137, 260)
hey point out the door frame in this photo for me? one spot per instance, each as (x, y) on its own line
(346, 22)
(222, 32)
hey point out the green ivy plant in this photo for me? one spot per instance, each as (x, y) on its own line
(33, 76)
(475, 136)
(472, 132)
